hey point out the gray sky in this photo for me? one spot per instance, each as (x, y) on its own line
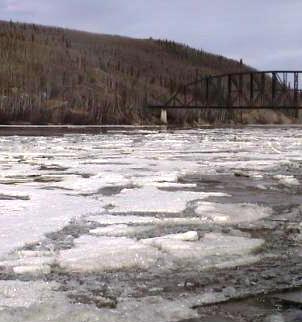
(265, 33)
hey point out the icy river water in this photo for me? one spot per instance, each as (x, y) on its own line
(148, 225)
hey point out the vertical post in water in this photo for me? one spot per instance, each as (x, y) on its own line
(164, 116)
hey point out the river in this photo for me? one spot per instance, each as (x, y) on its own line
(146, 224)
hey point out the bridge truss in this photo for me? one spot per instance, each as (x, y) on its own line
(244, 90)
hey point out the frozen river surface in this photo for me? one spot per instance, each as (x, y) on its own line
(94, 227)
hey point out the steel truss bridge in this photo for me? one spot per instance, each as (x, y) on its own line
(243, 90)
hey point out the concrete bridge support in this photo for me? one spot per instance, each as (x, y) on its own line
(300, 115)
(164, 116)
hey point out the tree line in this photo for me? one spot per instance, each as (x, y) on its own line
(55, 75)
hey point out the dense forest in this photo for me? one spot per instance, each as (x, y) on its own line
(61, 76)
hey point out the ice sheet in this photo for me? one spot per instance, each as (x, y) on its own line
(27, 221)
(149, 161)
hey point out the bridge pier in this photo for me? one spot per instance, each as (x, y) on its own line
(164, 116)
(300, 115)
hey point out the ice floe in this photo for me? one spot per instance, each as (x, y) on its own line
(17, 294)
(151, 199)
(103, 254)
(33, 263)
(287, 181)
(213, 244)
(27, 221)
(94, 183)
(232, 213)
(33, 270)
(105, 219)
(99, 254)
(188, 236)
(119, 230)
(151, 309)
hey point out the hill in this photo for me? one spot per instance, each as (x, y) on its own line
(55, 75)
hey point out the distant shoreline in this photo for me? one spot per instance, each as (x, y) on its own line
(58, 130)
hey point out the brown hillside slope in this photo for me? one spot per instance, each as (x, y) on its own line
(54, 75)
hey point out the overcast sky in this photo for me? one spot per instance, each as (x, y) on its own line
(264, 33)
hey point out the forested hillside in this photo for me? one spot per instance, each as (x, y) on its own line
(53, 75)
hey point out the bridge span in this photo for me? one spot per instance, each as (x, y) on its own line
(242, 90)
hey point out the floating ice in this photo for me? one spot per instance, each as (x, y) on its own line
(32, 263)
(287, 181)
(34, 253)
(26, 221)
(94, 183)
(119, 219)
(28, 261)
(16, 294)
(144, 220)
(212, 245)
(103, 254)
(241, 261)
(92, 254)
(188, 236)
(149, 161)
(34, 270)
(151, 309)
(119, 230)
(150, 199)
(232, 213)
